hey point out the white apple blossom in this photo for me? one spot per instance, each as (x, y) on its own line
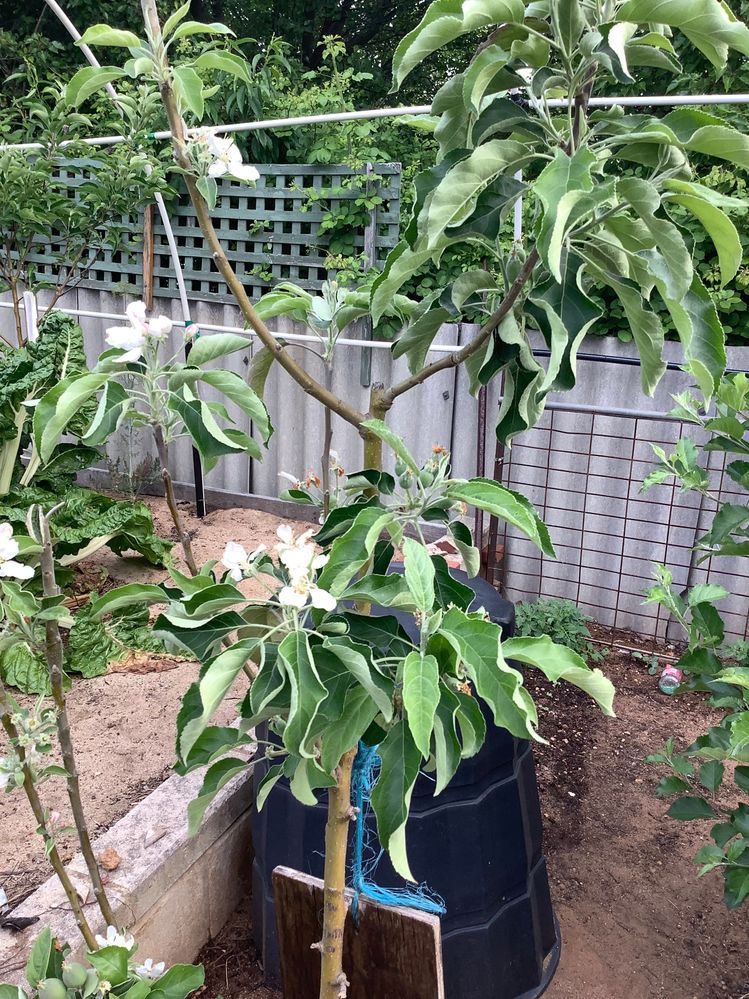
(150, 970)
(237, 559)
(302, 561)
(9, 548)
(115, 938)
(227, 159)
(132, 338)
(298, 555)
(302, 589)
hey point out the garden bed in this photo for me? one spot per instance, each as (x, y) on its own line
(124, 722)
(636, 923)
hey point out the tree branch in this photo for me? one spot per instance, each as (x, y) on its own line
(54, 661)
(459, 356)
(177, 128)
(40, 814)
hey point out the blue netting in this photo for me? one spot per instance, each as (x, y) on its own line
(367, 856)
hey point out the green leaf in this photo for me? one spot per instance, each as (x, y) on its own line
(266, 785)
(479, 644)
(110, 964)
(211, 441)
(721, 231)
(114, 405)
(174, 19)
(563, 175)
(568, 22)
(225, 62)
(103, 34)
(419, 573)
(557, 662)
(505, 504)
(307, 692)
(209, 348)
(443, 22)
(130, 595)
(308, 777)
(447, 749)
(645, 325)
(391, 796)
(215, 682)
(707, 24)
(704, 133)
(711, 774)
(359, 711)
(141, 990)
(478, 78)
(38, 961)
(199, 28)
(387, 591)
(189, 89)
(198, 639)
(701, 334)
(24, 669)
(235, 388)
(741, 778)
(455, 197)
(416, 339)
(58, 406)
(690, 807)
(217, 776)
(671, 785)
(671, 250)
(179, 981)
(88, 80)
(12, 992)
(393, 441)
(421, 696)
(351, 551)
(357, 659)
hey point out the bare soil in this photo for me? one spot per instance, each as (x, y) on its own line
(636, 923)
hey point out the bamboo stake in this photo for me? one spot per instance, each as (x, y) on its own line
(55, 662)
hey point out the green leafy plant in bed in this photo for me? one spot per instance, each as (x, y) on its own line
(89, 520)
(708, 779)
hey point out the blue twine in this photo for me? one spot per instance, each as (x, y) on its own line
(363, 778)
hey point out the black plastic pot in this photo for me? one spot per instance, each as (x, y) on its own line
(479, 845)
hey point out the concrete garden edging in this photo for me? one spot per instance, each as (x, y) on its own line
(172, 892)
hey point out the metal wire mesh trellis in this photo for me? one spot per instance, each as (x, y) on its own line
(271, 232)
(584, 471)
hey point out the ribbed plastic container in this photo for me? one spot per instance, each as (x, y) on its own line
(478, 844)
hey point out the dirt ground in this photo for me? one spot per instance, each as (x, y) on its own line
(635, 921)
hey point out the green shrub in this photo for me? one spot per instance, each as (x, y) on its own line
(561, 620)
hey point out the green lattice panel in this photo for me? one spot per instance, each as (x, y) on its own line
(117, 270)
(269, 232)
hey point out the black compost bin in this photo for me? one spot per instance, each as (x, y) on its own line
(478, 844)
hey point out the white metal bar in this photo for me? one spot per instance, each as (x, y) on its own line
(30, 316)
(444, 348)
(656, 100)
